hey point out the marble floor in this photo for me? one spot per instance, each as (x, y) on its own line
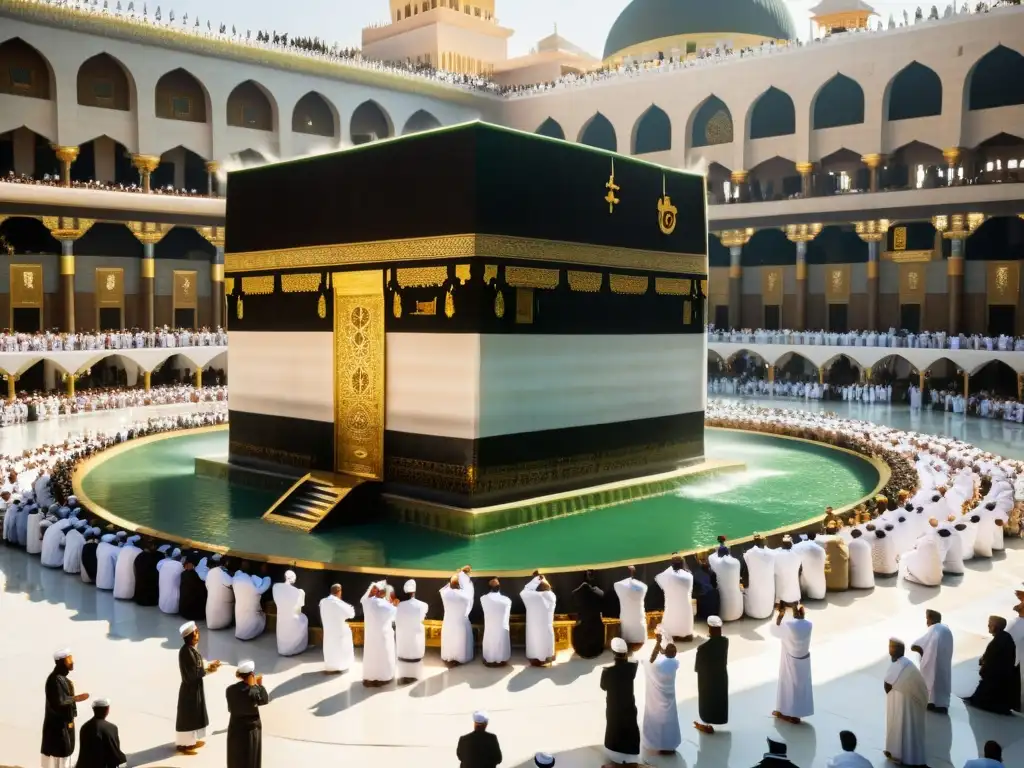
(129, 654)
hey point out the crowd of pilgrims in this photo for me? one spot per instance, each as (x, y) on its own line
(948, 502)
(896, 339)
(54, 180)
(753, 386)
(52, 405)
(131, 338)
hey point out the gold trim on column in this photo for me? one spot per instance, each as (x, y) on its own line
(735, 270)
(217, 273)
(801, 270)
(67, 264)
(148, 268)
(954, 266)
(872, 270)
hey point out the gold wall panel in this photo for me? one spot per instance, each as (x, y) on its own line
(718, 284)
(186, 289)
(1002, 282)
(421, 277)
(837, 283)
(912, 283)
(109, 288)
(771, 286)
(26, 285)
(899, 239)
(359, 373)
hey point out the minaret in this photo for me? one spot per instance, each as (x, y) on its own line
(841, 15)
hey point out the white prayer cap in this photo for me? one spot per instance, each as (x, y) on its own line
(94, 532)
(176, 553)
(247, 667)
(410, 586)
(187, 628)
(216, 558)
(543, 759)
(619, 645)
(72, 501)
(63, 653)
(163, 548)
(122, 535)
(108, 538)
(480, 717)
(100, 703)
(289, 576)
(714, 621)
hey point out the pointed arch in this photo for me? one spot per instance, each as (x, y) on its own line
(551, 128)
(369, 123)
(24, 71)
(181, 96)
(839, 102)
(421, 120)
(711, 123)
(996, 80)
(250, 106)
(773, 114)
(599, 132)
(652, 132)
(314, 115)
(104, 82)
(915, 91)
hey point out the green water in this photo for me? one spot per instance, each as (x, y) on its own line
(786, 481)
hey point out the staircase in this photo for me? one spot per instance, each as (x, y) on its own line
(309, 501)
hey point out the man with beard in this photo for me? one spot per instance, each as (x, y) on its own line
(588, 635)
(192, 719)
(61, 710)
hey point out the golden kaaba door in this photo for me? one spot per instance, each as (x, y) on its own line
(359, 373)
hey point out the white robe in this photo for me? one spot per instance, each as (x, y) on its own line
(52, 554)
(378, 638)
(540, 621)
(169, 584)
(1016, 630)
(795, 694)
(883, 553)
(292, 623)
(759, 599)
(124, 572)
(34, 536)
(952, 550)
(106, 562)
(250, 620)
(339, 652)
(787, 575)
(497, 645)
(678, 589)
(905, 708)
(632, 617)
(862, 574)
(73, 543)
(923, 564)
(848, 760)
(661, 718)
(727, 569)
(812, 577)
(456, 631)
(411, 637)
(937, 663)
(220, 599)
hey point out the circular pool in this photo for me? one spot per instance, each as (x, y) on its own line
(154, 486)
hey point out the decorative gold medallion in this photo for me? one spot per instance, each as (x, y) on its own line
(499, 304)
(666, 211)
(28, 279)
(396, 305)
(321, 307)
(449, 304)
(612, 188)
(239, 311)
(912, 281)
(111, 281)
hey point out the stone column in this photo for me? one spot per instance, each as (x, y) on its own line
(215, 236)
(952, 158)
(967, 386)
(199, 377)
(71, 385)
(956, 228)
(872, 233)
(739, 180)
(146, 377)
(66, 155)
(821, 375)
(734, 240)
(921, 377)
(67, 230)
(211, 177)
(801, 234)
(145, 164)
(872, 162)
(12, 387)
(149, 234)
(867, 375)
(806, 183)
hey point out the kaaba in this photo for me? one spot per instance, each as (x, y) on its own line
(470, 318)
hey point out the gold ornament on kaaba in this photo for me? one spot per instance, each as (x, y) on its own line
(111, 281)
(239, 311)
(396, 305)
(666, 211)
(449, 304)
(499, 304)
(612, 188)
(28, 279)
(321, 307)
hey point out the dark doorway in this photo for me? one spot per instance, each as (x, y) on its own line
(722, 316)
(910, 317)
(772, 317)
(110, 319)
(837, 322)
(27, 319)
(184, 318)
(1001, 319)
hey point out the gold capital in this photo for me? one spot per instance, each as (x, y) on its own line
(739, 177)
(871, 161)
(65, 154)
(214, 235)
(67, 228)
(733, 238)
(951, 155)
(804, 168)
(802, 233)
(146, 163)
(148, 232)
(872, 231)
(212, 166)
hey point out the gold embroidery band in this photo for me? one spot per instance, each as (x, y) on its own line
(303, 283)
(466, 247)
(530, 277)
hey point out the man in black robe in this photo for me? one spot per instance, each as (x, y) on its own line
(89, 555)
(147, 584)
(61, 710)
(776, 757)
(712, 678)
(621, 731)
(999, 688)
(705, 589)
(192, 603)
(479, 748)
(192, 719)
(245, 731)
(588, 635)
(99, 745)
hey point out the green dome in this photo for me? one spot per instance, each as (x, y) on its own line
(644, 20)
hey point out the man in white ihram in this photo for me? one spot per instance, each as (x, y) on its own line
(379, 610)
(540, 621)
(220, 597)
(788, 565)
(250, 620)
(906, 704)
(335, 614)
(497, 644)
(411, 636)
(632, 617)
(292, 623)
(73, 544)
(730, 593)
(759, 598)
(936, 649)
(169, 572)
(795, 696)
(677, 584)
(456, 631)
(812, 567)
(54, 540)
(124, 571)
(106, 561)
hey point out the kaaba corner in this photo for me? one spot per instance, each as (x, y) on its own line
(479, 319)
